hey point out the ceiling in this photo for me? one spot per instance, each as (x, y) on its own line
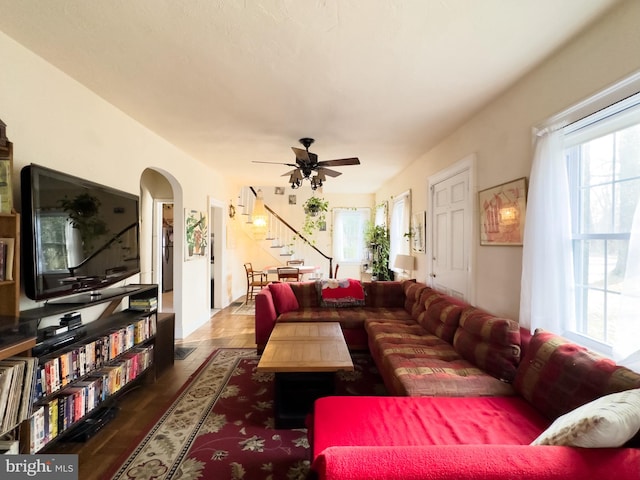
(229, 82)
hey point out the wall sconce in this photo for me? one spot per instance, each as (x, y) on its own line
(232, 210)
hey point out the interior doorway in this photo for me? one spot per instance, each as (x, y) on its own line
(216, 257)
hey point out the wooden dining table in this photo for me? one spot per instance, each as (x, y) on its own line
(303, 269)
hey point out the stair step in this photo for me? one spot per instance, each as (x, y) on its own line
(286, 254)
(277, 246)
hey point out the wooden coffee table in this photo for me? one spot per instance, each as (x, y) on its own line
(304, 357)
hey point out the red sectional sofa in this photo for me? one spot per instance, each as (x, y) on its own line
(470, 392)
(530, 435)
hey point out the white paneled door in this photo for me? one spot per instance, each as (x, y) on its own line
(451, 228)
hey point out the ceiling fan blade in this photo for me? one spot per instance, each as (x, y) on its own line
(340, 162)
(330, 173)
(302, 156)
(276, 163)
(292, 172)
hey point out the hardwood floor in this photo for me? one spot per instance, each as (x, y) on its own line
(140, 406)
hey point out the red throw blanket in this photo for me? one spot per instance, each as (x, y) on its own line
(341, 293)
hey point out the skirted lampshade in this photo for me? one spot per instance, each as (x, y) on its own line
(405, 263)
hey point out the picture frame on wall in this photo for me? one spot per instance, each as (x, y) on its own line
(196, 234)
(418, 232)
(503, 213)
(6, 171)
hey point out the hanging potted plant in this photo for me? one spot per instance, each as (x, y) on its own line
(315, 210)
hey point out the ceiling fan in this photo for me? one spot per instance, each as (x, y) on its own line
(307, 163)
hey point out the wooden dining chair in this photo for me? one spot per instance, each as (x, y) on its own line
(256, 281)
(288, 274)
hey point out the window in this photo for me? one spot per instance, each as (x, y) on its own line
(399, 226)
(349, 227)
(581, 254)
(603, 163)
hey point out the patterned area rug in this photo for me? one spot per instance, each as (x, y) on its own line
(221, 425)
(246, 308)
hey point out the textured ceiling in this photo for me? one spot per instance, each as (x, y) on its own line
(234, 81)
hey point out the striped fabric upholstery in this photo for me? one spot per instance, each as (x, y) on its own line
(413, 293)
(306, 293)
(441, 316)
(557, 376)
(384, 294)
(414, 362)
(490, 342)
(418, 376)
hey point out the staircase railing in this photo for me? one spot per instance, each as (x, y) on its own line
(298, 234)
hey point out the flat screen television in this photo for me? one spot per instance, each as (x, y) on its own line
(77, 236)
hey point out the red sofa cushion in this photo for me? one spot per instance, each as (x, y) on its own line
(441, 316)
(489, 342)
(283, 297)
(384, 294)
(412, 293)
(557, 376)
(405, 421)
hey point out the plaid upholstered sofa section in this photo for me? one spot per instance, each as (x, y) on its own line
(447, 348)
(386, 300)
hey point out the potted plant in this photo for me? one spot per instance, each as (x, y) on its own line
(315, 210)
(377, 237)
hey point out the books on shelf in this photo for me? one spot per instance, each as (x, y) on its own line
(17, 383)
(143, 304)
(77, 400)
(7, 252)
(57, 371)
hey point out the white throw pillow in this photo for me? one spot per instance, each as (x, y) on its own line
(606, 422)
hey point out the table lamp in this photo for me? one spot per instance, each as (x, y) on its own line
(405, 262)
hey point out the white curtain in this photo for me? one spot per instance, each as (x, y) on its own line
(399, 225)
(547, 293)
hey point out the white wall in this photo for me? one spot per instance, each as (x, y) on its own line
(54, 121)
(500, 135)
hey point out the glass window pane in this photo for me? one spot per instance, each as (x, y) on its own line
(596, 315)
(616, 263)
(626, 194)
(595, 262)
(596, 161)
(596, 209)
(628, 153)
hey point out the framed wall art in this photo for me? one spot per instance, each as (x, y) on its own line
(418, 232)
(196, 233)
(6, 169)
(502, 213)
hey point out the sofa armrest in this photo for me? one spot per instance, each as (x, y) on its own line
(265, 317)
(475, 462)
